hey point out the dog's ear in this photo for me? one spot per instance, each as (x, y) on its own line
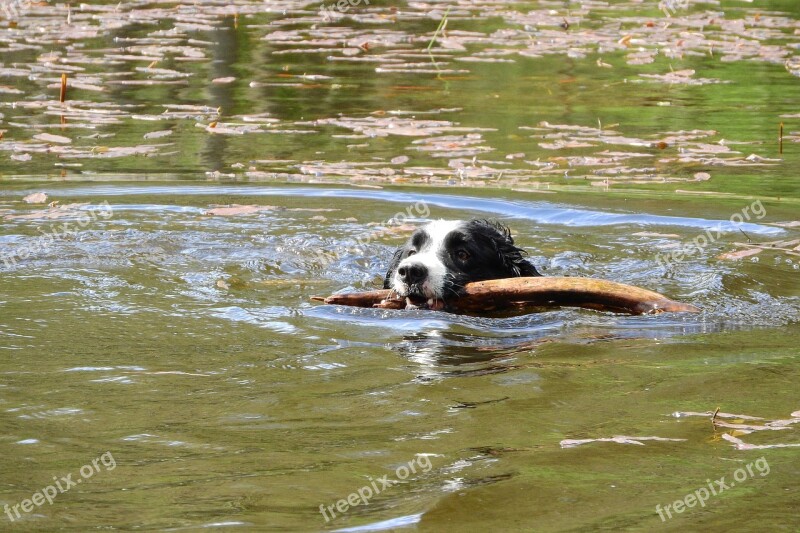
(513, 258)
(526, 269)
(398, 256)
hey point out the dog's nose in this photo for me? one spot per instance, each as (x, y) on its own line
(413, 273)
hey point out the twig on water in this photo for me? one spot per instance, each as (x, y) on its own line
(442, 26)
(746, 235)
(63, 95)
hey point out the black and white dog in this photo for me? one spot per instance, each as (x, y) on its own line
(443, 256)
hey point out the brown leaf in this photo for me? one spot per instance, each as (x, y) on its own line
(791, 224)
(35, 198)
(157, 134)
(655, 234)
(236, 209)
(740, 254)
(741, 445)
(50, 138)
(64, 211)
(572, 443)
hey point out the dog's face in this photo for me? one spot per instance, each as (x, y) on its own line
(443, 256)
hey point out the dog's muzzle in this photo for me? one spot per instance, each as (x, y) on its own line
(413, 277)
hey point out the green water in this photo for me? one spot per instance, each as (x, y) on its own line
(183, 344)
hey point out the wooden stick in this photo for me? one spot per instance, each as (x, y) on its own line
(502, 294)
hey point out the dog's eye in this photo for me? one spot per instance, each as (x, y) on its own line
(462, 255)
(411, 252)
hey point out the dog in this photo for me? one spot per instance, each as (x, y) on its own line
(443, 256)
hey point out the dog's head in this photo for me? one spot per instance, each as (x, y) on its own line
(443, 256)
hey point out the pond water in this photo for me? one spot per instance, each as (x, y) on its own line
(157, 319)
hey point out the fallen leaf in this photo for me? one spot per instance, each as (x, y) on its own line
(740, 254)
(35, 198)
(654, 234)
(64, 211)
(747, 427)
(50, 138)
(157, 134)
(236, 209)
(571, 443)
(792, 224)
(717, 414)
(741, 445)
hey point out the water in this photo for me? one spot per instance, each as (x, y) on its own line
(184, 345)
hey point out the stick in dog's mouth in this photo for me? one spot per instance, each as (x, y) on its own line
(419, 301)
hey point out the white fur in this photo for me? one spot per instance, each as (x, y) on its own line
(429, 257)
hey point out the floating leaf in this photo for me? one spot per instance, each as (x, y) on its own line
(654, 234)
(740, 254)
(35, 198)
(791, 224)
(50, 138)
(235, 209)
(52, 212)
(157, 134)
(739, 444)
(571, 443)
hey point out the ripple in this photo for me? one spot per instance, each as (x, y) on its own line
(541, 212)
(264, 318)
(383, 525)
